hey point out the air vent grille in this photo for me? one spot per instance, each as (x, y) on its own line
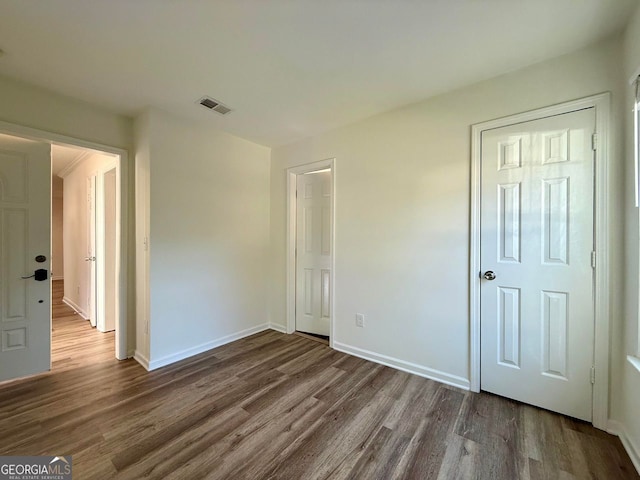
(207, 102)
(221, 109)
(214, 105)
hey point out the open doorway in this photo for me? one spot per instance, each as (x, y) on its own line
(26, 209)
(84, 245)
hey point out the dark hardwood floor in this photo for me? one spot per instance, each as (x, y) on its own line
(282, 406)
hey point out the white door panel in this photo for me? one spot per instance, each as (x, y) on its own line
(537, 320)
(105, 251)
(25, 233)
(90, 259)
(313, 257)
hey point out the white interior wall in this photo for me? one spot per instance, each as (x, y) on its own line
(57, 252)
(75, 231)
(209, 237)
(34, 107)
(402, 211)
(628, 391)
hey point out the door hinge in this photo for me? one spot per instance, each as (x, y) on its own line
(593, 374)
(593, 259)
(594, 141)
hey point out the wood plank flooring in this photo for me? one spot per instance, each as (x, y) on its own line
(282, 406)
(74, 342)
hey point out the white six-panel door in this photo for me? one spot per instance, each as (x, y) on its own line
(537, 314)
(313, 252)
(25, 233)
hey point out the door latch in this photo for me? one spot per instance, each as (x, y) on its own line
(39, 275)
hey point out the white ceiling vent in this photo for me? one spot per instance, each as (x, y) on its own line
(214, 105)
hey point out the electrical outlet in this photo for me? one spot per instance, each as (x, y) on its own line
(359, 320)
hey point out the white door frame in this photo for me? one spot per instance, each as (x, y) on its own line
(292, 173)
(123, 349)
(601, 103)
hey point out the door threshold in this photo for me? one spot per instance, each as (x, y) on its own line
(316, 338)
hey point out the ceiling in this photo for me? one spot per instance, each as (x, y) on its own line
(288, 68)
(63, 156)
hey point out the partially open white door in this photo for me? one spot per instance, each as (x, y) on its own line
(25, 248)
(537, 240)
(106, 239)
(313, 253)
(90, 259)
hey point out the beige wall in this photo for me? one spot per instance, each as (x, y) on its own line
(209, 236)
(57, 252)
(402, 210)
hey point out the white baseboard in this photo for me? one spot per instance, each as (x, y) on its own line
(76, 307)
(409, 367)
(141, 359)
(278, 328)
(617, 428)
(131, 353)
(190, 352)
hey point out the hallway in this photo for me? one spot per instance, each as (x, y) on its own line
(74, 342)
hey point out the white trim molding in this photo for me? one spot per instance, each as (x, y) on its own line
(278, 328)
(75, 307)
(70, 167)
(634, 361)
(414, 368)
(292, 173)
(141, 359)
(144, 361)
(601, 103)
(617, 428)
(190, 352)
